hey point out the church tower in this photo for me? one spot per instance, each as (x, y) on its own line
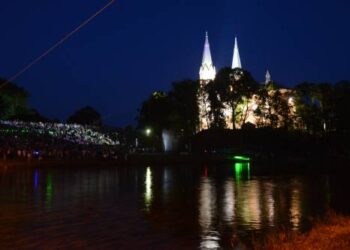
(237, 74)
(207, 73)
(236, 61)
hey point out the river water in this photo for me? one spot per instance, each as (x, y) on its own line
(153, 207)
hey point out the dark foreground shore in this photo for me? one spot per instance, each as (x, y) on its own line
(332, 233)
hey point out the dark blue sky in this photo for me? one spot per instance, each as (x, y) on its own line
(137, 47)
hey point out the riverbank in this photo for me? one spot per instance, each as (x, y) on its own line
(259, 164)
(333, 233)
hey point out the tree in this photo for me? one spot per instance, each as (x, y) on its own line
(341, 106)
(31, 115)
(86, 116)
(216, 106)
(235, 87)
(309, 107)
(176, 111)
(263, 111)
(13, 101)
(183, 98)
(155, 113)
(327, 100)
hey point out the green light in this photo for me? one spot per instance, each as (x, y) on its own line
(49, 190)
(241, 158)
(242, 169)
(248, 170)
(238, 170)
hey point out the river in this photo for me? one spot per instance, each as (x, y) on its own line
(158, 207)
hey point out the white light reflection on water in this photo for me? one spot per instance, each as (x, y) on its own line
(166, 184)
(246, 203)
(207, 213)
(228, 202)
(251, 210)
(270, 203)
(295, 206)
(148, 189)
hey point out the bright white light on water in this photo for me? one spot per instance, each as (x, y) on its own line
(229, 202)
(207, 213)
(295, 207)
(148, 188)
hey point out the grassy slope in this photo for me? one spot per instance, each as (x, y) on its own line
(333, 233)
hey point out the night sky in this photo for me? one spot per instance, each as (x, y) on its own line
(137, 47)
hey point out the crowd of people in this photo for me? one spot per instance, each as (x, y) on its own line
(22, 140)
(75, 133)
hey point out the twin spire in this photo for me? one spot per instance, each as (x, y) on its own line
(206, 52)
(236, 61)
(207, 71)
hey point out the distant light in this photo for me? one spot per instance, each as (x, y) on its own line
(291, 100)
(148, 132)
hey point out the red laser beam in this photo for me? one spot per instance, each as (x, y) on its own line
(53, 47)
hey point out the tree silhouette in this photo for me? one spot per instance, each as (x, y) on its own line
(86, 116)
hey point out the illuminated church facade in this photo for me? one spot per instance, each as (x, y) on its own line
(207, 73)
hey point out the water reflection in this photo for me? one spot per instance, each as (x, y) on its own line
(148, 188)
(248, 203)
(36, 187)
(228, 202)
(242, 169)
(49, 191)
(194, 206)
(295, 207)
(36, 179)
(270, 202)
(166, 184)
(207, 213)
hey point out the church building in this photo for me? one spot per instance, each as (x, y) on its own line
(207, 73)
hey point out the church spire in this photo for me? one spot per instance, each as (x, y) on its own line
(236, 62)
(207, 70)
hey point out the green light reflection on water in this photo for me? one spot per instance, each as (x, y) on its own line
(49, 190)
(242, 169)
